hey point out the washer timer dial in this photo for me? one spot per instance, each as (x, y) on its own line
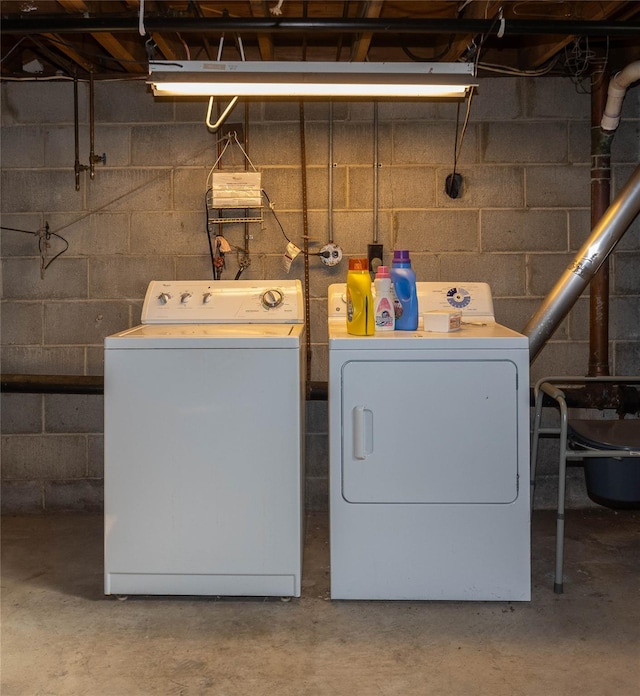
(272, 298)
(458, 297)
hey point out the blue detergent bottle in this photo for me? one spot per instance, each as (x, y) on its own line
(404, 289)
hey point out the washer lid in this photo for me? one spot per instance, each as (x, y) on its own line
(150, 336)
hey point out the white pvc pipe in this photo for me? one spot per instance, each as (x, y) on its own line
(617, 89)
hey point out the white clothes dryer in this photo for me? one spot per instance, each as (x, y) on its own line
(204, 433)
(429, 455)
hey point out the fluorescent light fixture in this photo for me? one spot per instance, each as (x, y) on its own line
(310, 79)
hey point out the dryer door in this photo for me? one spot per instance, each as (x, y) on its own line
(430, 431)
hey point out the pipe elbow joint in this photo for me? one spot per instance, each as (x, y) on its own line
(615, 95)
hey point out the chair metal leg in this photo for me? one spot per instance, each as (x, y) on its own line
(535, 438)
(558, 585)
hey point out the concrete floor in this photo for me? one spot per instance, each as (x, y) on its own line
(61, 636)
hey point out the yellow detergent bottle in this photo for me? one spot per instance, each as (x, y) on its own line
(360, 309)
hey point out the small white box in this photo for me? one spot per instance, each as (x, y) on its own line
(442, 321)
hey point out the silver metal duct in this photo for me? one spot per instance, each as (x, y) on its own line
(602, 241)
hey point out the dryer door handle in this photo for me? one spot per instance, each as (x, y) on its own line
(360, 432)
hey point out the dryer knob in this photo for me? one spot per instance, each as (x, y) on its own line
(164, 297)
(207, 297)
(272, 299)
(185, 297)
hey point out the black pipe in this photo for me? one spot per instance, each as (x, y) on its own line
(266, 25)
(80, 384)
(77, 167)
(51, 384)
(621, 397)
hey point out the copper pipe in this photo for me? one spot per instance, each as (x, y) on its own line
(77, 167)
(600, 198)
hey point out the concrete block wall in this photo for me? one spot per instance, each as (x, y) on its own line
(523, 212)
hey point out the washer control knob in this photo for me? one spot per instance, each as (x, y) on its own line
(164, 297)
(185, 297)
(206, 298)
(272, 299)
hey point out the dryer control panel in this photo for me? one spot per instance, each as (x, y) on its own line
(472, 299)
(223, 302)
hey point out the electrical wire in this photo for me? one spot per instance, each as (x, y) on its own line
(186, 46)
(458, 142)
(503, 70)
(91, 55)
(433, 59)
(206, 227)
(580, 60)
(277, 219)
(284, 234)
(70, 78)
(43, 244)
(12, 49)
(15, 229)
(44, 234)
(87, 53)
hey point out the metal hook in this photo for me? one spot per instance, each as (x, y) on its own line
(213, 127)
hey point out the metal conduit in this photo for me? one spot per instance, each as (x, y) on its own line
(281, 25)
(602, 241)
(330, 178)
(376, 157)
(305, 239)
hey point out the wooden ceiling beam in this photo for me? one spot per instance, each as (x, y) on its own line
(64, 47)
(171, 49)
(363, 42)
(265, 43)
(127, 56)
(475, 10)
(545, 48)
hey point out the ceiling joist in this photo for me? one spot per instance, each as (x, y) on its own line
(126, 53)
(103, 36)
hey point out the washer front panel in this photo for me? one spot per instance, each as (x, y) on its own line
(203, 472)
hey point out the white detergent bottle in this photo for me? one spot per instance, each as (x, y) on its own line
(383, 302)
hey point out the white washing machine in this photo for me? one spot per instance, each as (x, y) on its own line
(429, 455)
(204, 442)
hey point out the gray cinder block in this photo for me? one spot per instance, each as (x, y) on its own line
(31, 457)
